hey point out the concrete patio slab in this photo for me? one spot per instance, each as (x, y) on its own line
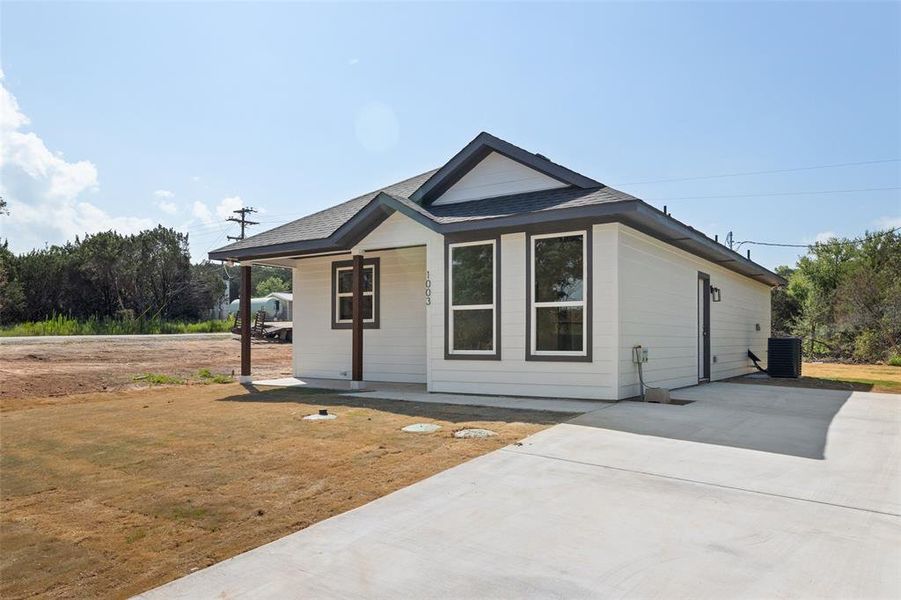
(631, 501)
(340, 385)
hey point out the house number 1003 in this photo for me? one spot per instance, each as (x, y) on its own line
(428, 289)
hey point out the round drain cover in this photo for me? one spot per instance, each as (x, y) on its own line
(473, 433)
(421, 428)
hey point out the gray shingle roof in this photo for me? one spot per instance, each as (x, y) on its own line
(339, 227)
(324, 223)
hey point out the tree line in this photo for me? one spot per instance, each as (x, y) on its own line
(147, 275)
(844, 299)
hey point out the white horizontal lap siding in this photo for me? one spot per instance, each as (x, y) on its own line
(497, 175)
(513, 375)
(658, 296)
(396, 351)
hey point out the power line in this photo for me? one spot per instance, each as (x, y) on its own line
(745, 173)
(841, 242)
(244, 211)
(849, 191)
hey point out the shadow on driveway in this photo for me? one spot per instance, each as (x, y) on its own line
(781, 420)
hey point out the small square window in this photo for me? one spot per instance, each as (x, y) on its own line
(346, 308)
(342, 294)
(474, 329)
(559, 328)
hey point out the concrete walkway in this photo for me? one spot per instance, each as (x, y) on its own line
(523, 403)
(416, 392)
(749, 492)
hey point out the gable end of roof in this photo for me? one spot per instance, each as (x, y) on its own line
(476, 151)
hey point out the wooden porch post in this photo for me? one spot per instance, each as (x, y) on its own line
(357, 328)
(245, 322)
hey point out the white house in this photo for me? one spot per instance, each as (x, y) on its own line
(504, 273)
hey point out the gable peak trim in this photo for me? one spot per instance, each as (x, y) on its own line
(477, 150)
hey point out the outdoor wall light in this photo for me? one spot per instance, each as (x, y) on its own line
(715, 294)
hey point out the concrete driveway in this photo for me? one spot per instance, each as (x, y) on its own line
(750, 491)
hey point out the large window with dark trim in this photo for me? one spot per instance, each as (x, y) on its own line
(472, 299)
(342, 294)
(558, 295)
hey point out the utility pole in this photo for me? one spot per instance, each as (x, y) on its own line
(244, 295)
(242, 220)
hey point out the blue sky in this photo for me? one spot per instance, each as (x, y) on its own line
(126, 115)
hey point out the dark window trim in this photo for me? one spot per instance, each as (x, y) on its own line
(496, 355)
(587, 289)
(376, 294)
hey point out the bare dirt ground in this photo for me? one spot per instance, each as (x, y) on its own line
(109, 493)
(60, 366)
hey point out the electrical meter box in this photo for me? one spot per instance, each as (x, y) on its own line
(639, 354)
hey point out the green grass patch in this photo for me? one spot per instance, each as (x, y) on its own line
(189, 512)
(62, 325)
(159, 379)
(203, 376)
(206, 376)
(134, 536)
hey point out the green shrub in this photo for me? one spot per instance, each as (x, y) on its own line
(159, 379)
(62, 325)
(206, 376)
(895, 360)
(868, 347)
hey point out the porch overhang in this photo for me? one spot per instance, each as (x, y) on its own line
(341, 241)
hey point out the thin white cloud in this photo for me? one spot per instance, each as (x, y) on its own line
(44, 190)
(170, 208)
(824, 236)
(223, 210)
(353, 61)
(887, 222)
(164, 194)
(202, 212)
(226, 208)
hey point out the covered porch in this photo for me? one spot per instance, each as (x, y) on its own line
(359, 316)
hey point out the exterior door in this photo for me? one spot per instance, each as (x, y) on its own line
(703, 327)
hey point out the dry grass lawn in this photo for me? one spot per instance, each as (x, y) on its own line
(870, 378)
(835, 376)
(109, 494)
